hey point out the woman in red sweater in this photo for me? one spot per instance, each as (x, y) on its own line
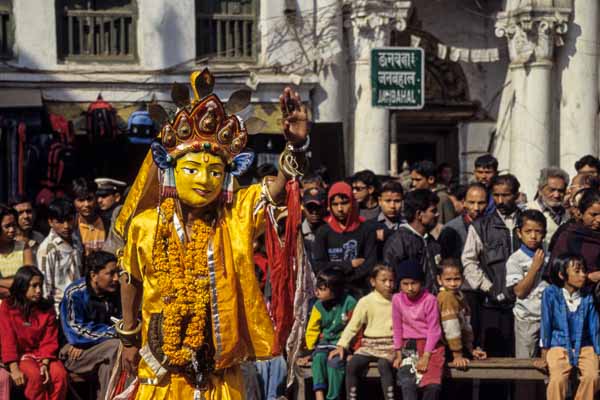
(30, 338)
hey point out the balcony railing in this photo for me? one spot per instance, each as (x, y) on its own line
(5, 34)
(226, 36)
(107, 35)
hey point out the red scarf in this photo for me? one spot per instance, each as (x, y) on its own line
(353, 220)
(282, 260)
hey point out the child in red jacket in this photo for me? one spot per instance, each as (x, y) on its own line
(30, 338)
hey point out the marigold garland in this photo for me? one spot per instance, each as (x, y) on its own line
(184, 286)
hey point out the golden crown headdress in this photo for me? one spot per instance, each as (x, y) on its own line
(202, 123)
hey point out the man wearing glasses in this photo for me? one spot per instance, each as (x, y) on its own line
(365, 188)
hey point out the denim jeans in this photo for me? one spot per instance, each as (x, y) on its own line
(271, 377)
(252, 389)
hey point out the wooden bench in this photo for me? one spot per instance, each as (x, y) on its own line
(506, 369)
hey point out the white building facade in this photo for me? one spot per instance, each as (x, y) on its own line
(517, 78)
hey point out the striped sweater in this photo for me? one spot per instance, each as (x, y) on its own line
(455, 317)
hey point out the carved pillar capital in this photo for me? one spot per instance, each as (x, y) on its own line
(533, 34)
(371, 21)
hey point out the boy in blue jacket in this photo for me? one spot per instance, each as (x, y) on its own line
(85, 315)
(569, 330)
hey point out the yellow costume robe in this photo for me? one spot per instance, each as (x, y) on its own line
(241, 325)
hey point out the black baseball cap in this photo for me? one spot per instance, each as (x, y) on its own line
(315, 196)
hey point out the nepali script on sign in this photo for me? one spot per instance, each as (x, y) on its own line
(397, 78)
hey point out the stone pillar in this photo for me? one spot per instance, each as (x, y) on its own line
(394, 167)
(532, 35)
(578, 63)
(370, 23)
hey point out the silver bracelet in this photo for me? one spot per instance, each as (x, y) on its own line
(301, 149)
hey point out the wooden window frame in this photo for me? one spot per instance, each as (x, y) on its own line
(107, 43)
(236, 38)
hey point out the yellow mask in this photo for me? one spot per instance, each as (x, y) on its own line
(199, 178)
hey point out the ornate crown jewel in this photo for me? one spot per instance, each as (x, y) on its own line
(203, 123)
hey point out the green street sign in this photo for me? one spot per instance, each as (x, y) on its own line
(398, 78)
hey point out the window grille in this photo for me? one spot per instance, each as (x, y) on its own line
(226, 30)
(98, 35)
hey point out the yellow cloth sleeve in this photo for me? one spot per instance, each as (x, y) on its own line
(138, 248)
(313, 329)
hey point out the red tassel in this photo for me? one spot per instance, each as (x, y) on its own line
(282, 260)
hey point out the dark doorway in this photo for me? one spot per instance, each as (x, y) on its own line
(327, 150)
(436, 143)
(412, 152)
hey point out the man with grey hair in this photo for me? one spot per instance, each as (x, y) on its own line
(549, 199)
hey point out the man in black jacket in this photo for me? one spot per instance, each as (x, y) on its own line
(490, 242)
(412, 240)
(454, 233)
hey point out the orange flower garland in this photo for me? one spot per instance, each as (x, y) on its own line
(184, 285)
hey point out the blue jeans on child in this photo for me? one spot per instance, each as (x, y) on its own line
(271, 377)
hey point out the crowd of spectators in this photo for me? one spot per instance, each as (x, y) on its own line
(412, 273)
(59, 293)
(512, 278)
